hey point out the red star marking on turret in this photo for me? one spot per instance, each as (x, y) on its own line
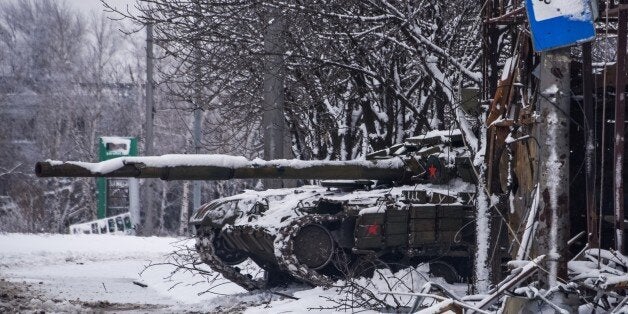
(372, 230)
(432, 171)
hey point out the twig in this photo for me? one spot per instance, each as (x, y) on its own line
(284, 295)
(9, 171)
(143, 285)
(440, 298)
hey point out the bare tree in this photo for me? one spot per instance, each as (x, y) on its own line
(360, 75)
(65, 87)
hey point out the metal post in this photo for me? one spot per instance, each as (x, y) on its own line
(198, 99)
(273, 119)
(553, 135)
(134, 200)
(149, 90)
(590, 168)
(196, 191)
(149, 213)
(620, 103)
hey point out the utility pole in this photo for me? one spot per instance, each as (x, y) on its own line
(273, 120)
(149, 213)
(620, 107)
(552, 132)
(198, 108)
(590, 158)
(196, 190)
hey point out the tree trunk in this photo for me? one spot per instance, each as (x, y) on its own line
(185, 209)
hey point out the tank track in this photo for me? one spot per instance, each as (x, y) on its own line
(284, 250)
(205, 248)
(284, 254)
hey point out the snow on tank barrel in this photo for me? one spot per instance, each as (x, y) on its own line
(225, 167)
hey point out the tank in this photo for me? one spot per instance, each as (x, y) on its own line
(401, 206)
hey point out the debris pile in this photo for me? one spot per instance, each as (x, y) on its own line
(598, 282)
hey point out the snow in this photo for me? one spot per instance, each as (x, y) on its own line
(94, 268)
(508, 68)
(46, 249)
(551, 90)
(121, 145)
(443, 134)
(438, 308)
(574, 9)
(531, 225)
(283, 202)
(373, 210)
(470, 139)
(483, 231)
(619, 196)
(225, 161)
(301, 164)
(554, 168)
(102, 267)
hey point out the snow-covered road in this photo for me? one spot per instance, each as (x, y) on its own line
(83, 273)
(100, 270)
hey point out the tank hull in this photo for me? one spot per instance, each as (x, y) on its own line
(334, 230)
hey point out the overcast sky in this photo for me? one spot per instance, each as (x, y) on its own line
(88, 6)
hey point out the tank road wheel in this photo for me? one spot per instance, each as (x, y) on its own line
(314, 246)
(300, 258)
(229, 255)
(205, 242)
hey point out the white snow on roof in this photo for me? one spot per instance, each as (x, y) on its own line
(437, 133)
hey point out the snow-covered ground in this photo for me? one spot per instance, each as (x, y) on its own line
(94, 268)
(69, 273)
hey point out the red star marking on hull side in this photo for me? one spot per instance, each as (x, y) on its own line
(432, 170)
(372, 230)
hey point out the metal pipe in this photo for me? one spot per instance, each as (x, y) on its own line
(554, 104)
(149, 212)
(620, 103)
(590, 168)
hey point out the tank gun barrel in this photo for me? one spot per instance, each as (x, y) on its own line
(225, 167)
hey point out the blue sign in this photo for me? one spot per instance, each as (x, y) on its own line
(559, 23)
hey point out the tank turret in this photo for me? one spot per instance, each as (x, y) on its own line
(436, 157)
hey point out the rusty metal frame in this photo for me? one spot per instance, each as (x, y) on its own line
(620, 108)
